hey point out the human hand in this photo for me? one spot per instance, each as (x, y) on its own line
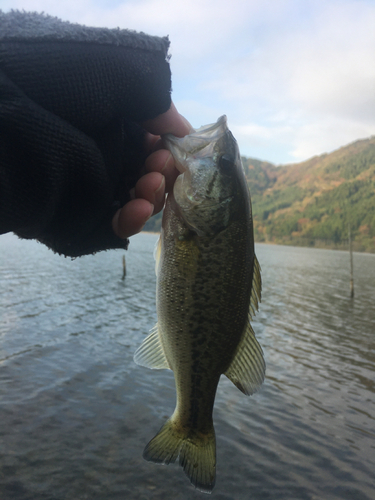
(149, 193)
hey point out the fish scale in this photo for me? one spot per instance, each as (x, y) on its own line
(208, 286)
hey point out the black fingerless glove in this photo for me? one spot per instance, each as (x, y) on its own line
(71, 98)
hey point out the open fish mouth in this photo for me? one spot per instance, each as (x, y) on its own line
(198, 144)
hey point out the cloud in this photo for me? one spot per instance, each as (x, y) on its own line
(334, 71)
(327, 135)
(310, 83)
(295, 77)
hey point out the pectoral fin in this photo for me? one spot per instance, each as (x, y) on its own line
(151, 353)
(248, 366)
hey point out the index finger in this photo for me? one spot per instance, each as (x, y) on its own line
(170, 122)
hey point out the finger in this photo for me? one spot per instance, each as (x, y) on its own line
(163, 162)
(151, 142)
(170, 122)
(151, 187)
(131, 218)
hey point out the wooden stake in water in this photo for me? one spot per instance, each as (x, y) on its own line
(351, 265)
(123, 267)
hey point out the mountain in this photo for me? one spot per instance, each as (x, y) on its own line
(313, 203)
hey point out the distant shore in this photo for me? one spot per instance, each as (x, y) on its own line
(321, 244)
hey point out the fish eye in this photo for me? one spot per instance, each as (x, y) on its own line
(226, 163)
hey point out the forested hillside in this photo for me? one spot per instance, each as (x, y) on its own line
(315, 202)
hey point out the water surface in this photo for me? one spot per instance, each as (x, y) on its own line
(76, 412)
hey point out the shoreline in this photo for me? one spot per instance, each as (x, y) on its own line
(318, 244)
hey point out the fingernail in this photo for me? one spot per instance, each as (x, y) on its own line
(148, 216)
(188, 125)
(151, 212)
(162, 184)
(167, 162)
(115, 225)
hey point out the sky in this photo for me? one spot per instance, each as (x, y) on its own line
(296, 78)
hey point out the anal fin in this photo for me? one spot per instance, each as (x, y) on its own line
(151, 353)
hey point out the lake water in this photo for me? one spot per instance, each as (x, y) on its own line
(76, 412)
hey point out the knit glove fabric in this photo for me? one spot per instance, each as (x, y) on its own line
(71, 147)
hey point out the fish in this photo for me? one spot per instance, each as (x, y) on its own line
(208, 289)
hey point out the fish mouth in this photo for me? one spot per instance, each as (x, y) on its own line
(199, 143)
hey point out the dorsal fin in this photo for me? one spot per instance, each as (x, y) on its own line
(157, 254)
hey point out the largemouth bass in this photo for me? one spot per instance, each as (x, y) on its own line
(208, 288)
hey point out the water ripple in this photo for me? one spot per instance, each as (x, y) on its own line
(76, 411)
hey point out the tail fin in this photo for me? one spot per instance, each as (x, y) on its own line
(196, 452)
